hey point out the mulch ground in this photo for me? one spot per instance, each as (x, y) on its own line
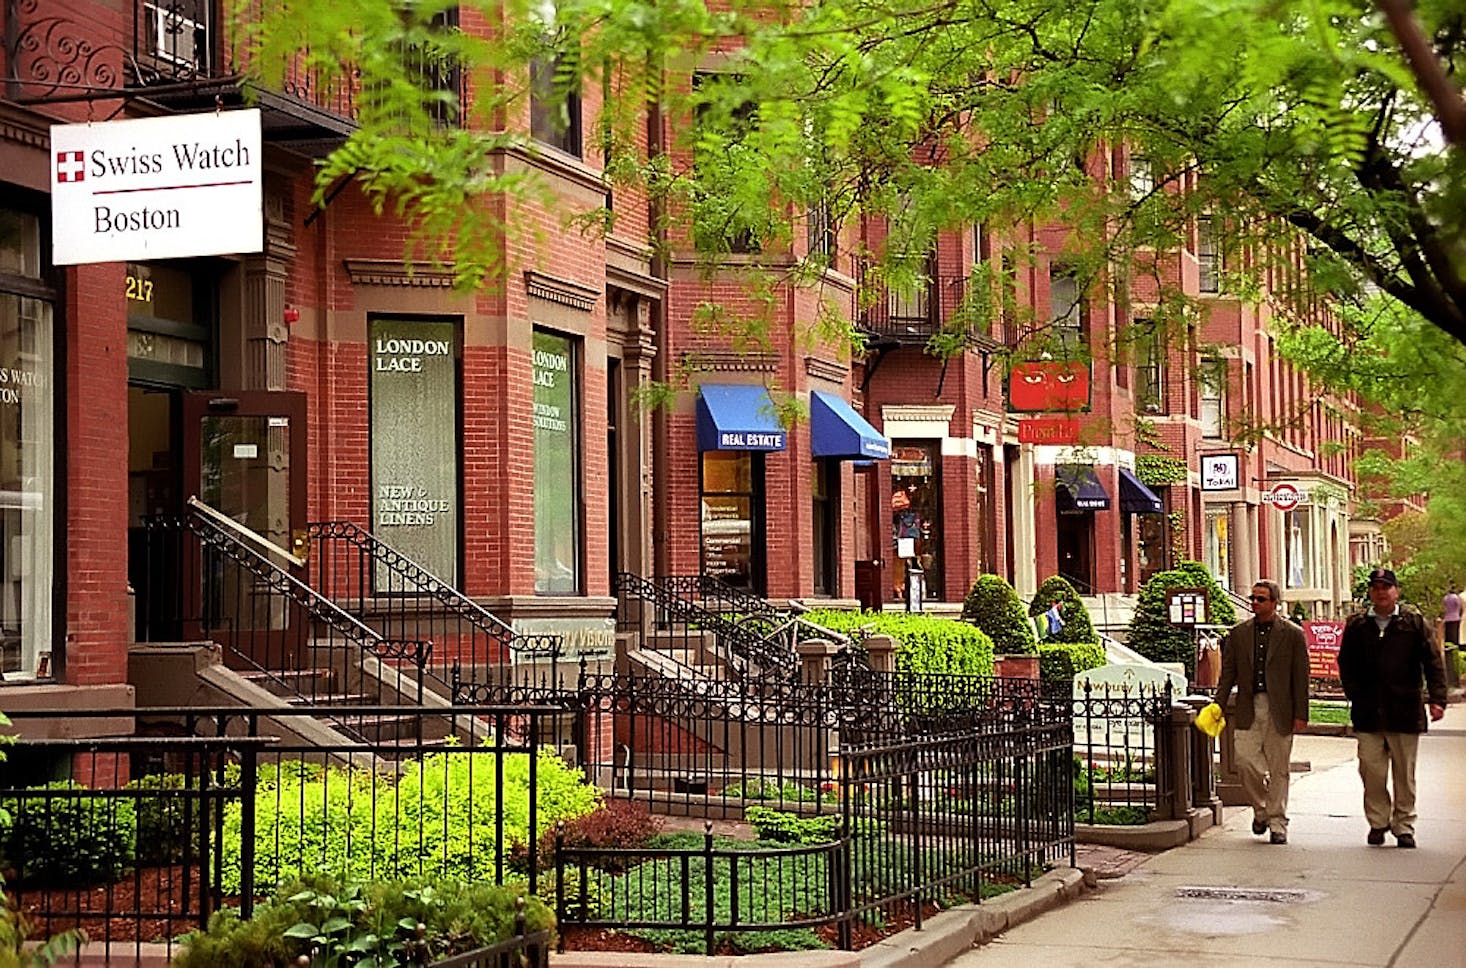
(150, 904)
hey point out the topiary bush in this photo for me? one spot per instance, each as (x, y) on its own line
(327, 921)
(1062, 661)
(924, 643)
(1152, 635)
(438, 814)
(70, 835)
(993, 606)
(1077, 625)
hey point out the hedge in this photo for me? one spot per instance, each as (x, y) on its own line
(923, 643)
(1152, 634)
(1062, 661)
(993, 606)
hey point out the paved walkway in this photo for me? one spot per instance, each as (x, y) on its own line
(1335, 901)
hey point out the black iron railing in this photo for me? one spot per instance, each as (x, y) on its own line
(196, 579)
(1122, 749)
(697, 637)
(147, 836)
(475, 656)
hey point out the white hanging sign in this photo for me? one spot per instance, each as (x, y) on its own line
(157, 188)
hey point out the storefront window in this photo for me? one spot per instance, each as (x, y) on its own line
(824, 481)
(414, 421)
(1298, 526)
(27, 456)
(983, 520)
(1219, 547)
(730, 527)
(916, 515)
(556, 477)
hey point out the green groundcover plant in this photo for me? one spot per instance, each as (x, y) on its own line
(439, 815)
(329, 921)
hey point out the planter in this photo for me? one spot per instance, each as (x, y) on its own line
(1016, 666)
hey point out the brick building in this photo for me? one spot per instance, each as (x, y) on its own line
(494, 437)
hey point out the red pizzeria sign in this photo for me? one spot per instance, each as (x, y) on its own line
(1323, 648)
(1049, 385)
(1048, 430)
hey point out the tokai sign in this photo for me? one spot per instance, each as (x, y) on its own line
(157, 188)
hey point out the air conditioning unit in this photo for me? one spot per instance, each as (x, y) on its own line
(178, 33)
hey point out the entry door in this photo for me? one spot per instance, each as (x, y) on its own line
(244, 456)
(1076, 551)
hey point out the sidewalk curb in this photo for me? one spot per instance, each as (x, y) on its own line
(950, 933)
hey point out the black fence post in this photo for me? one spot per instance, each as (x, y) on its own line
(248, 770)
(707, 887)
(534, 797)
(560, 911)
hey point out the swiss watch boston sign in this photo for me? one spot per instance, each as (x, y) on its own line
(156, 188)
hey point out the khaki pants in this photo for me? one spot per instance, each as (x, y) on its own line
(1379, 755)
(1263, 758)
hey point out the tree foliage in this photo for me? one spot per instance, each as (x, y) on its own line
(1284, 117)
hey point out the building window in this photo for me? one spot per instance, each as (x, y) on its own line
(1213, 387)
(27, 452)
(824, 490)
(1208, 256)
(414, 389)
(557, 557)
(916, 514)
(730, 525)
(725, 116)
(554, 94)
(1150, 355)
(1298, 527)
(1142, 177)
(1065, 311)
(984, 520)
(822, 235)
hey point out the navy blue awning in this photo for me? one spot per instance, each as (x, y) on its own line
(1136, 498)
(1079, 490)
(836, 430)
(737, 416)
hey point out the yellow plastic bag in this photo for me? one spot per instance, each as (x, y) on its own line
(1210, 720)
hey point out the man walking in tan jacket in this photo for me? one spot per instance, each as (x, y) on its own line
(1266, 659)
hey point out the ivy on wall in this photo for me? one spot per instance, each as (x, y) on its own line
(1158, 470)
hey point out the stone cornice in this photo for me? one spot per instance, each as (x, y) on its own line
(561, 291)
(826, 369)
(384, 272)
(730, 361)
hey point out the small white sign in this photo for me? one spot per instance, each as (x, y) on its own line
(1285, 496)
(246, 451)
(157, 188)
(1219, 472)
(905, 547)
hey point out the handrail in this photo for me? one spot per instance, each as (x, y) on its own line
(243, 531)
(740, 644)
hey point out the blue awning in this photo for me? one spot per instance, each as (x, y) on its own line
(1136, 498)
(836, 430)
(737, 416)
(1079, 490)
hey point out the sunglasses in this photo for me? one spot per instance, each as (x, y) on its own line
(1260, 598)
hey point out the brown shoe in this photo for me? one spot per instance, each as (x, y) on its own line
(1377, 836)
(1405, 840)
(1278, 837)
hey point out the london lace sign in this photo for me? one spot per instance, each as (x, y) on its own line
(157, 188)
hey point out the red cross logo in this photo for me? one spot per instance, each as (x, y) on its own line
(70, 167)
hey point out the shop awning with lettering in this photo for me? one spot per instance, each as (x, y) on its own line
(1079, 490)
(1136, 498)
(836, 430)
(736, 416)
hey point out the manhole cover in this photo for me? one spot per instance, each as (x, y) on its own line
(1278, 895)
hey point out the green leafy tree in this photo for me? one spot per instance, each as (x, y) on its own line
(931, 117)
(1152, 634)
(1077, 624)
(993, 606)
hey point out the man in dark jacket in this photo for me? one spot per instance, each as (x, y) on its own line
(1386, 654)
(1266, 659)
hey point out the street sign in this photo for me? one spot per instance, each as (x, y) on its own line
(1284, 496)
(1048, 385)
(157, 188)
(1219, 472)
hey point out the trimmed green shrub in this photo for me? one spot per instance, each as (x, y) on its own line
(332, 921)
(161, 831)
(924, 644)
(70, 836)
(437, 814)
(1077, 626)
(1062, 661)
(993, 606)
(1153, 636)
(790, 828)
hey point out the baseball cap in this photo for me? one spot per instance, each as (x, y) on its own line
(1382, 576)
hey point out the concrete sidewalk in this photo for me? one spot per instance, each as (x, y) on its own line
(1334, 900)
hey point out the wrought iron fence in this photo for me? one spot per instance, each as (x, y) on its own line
(1122, 749)
(142, 838)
